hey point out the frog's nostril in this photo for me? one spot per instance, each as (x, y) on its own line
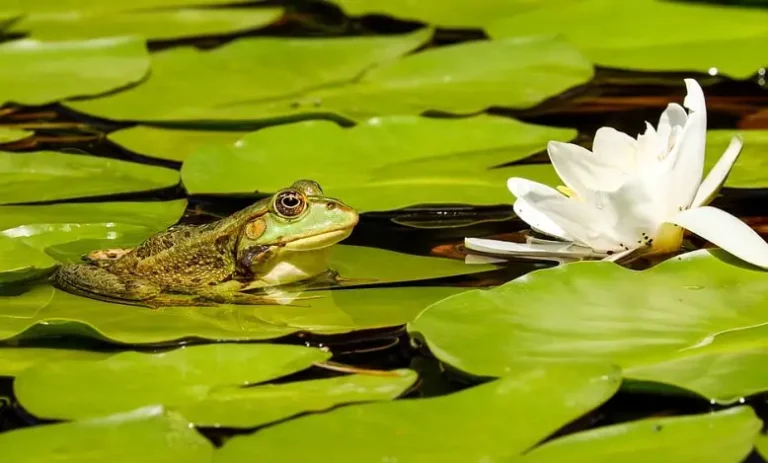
(331, 206)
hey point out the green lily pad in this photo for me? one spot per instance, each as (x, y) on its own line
(646, 34)
(461, 14)
(601, 311)
(483, 423)
(21, 262)
(150, 435)
(246, 69)
(14, 360)
(131, 380)
(751, 167)
(47, 72)
(48, 175)
(465, 79)
(723, 437)
(151, 25)
(171, 144)
(11, 135)
(761, 445)
(51, 6)
(51, 311)
(256, 406)
(443, 160)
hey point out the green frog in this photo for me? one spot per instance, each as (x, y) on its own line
(280, 240)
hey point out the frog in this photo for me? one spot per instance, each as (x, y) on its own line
(280, 240)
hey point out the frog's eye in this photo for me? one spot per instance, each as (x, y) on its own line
(290, 203)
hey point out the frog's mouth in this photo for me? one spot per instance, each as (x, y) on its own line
(319, 241)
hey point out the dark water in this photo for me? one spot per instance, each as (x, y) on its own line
(621, 99)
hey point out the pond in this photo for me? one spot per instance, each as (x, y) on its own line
(466, 317)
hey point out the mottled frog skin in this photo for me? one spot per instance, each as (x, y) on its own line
(283, 239)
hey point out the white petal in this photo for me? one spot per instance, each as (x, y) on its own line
(647, 148)
(716, 177)
(726, 231)
(687, 156)
(581, 170)
(538, 221)
(673, 116)
(614, 148)
(508, 248)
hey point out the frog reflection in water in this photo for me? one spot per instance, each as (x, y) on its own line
(283, 239)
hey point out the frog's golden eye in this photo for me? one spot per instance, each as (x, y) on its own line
(290, 203)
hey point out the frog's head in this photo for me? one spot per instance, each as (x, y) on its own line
(299, 218)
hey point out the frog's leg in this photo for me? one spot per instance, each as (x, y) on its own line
(97, 282)
(231, 292)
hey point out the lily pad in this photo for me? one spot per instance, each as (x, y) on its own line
(149, 435)
(246, 69)
(461, 14)
(723, 437)
(646, 34)
(751, 169)
(51, 311)
(49, 6)
(14, 360)
(21, 262)
(66, 231)
(151, 25)
(464, 78)
(256, 406)
(130, 380)
(48, 175)
(11, 135)
(171, 144)
(47, 72)
(483, 423)
(427, 160)
(601, 311)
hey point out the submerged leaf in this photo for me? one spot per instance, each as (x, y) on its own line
(601, 311)
(482, 423)
(47, 72)
(411, 159)
(246, 69)
(150, 25)
(76, 389)
(48, 175)
(722, 437)
(149, 435)
(646, 34)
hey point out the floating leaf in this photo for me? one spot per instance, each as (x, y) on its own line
(171, 144)
(246, 69)
(131, 380)
(11, 135)
(465, 78)
(723, 437)
(47, 72)
(14, 360)
(412, 159)
(87, 226)
(50, 6)
(151, 25)
(751, 167)
(761, 445)
(483, 423)
(47, 175)
(21, 262)
(601, 311)
(338, 311)
(256, 406)
(149, 435)
(461, 14)
(646, 34)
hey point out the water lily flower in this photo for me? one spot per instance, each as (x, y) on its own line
(629, 197)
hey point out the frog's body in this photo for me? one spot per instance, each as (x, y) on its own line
(279, 240)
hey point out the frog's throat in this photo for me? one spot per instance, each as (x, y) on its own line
(319, 241)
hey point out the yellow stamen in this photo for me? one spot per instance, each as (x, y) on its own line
(567, 192)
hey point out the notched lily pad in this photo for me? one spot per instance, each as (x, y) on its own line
(47, 72)
(697, 304)
(48, 175)
(384, 163)
(482, 423)
(150, 435)
(76, 389)
(171, 144)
